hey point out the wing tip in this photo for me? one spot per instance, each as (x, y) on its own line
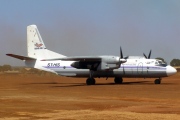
(9, 54)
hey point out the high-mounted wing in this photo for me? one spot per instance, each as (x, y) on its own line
(81, 62)
(76, 58)
(94, 62)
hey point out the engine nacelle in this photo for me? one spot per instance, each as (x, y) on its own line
(110, 59)
(85, 65)
(105, 66)
(78, 65)
(106, 63)
(113, 60)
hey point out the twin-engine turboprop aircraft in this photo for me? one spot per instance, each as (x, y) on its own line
(91, 66)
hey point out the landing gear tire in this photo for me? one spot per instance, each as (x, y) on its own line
(90, 81)
(157, 81)
(118, 80)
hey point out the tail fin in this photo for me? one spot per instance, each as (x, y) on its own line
(36, 46)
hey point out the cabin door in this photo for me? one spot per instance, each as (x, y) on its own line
(140, 68)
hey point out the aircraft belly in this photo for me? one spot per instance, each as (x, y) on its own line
(157, 73)
(74, 72)
(130, 72)
(86, 73)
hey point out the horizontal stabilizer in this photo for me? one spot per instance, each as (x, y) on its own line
(20, 57)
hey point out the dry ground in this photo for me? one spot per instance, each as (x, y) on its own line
(54, 98)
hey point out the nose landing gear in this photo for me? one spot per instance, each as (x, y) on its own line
(157, 81)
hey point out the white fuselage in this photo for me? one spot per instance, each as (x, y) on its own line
(146, 68)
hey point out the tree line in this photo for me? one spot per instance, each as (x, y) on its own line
(5, 68)
(23, 70)
(175, 62)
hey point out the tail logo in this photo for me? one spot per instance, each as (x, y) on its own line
(38, 46)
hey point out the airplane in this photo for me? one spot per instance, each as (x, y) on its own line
(91, 67)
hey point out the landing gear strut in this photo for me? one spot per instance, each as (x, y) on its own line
(157, 81)
(118, 80)
(91, 80)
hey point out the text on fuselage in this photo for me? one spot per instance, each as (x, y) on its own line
(53, 65)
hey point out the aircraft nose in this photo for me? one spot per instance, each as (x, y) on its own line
(170, 70)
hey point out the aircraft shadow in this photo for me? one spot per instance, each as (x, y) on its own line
(102, 84)
(57, 84)
(47, 83)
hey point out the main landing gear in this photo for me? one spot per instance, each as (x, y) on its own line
(157, 81)
(90, 81)
(118, 80)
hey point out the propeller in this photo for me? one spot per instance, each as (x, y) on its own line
(121, 58)
(149, 56)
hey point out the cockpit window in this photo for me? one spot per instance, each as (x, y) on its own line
(160, 63)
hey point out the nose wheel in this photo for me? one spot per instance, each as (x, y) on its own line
(157, 81)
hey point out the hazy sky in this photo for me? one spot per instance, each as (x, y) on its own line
(92, 27)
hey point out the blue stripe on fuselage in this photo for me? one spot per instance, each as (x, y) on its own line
(127, 67)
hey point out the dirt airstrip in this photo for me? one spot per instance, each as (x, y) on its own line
(54, 98)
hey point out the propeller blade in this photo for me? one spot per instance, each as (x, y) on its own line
(145, 55)
(126, 57)
(121, 58)
(149, 55)
(121, 54)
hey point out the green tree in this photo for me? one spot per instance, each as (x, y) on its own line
(6, 67)
(175, 62)
(1, 68)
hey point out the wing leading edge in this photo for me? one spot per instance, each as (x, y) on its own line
(79, 58)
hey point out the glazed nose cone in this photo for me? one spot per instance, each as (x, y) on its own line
(170, 70)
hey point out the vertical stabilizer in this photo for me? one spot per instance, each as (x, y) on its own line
(36, 47)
